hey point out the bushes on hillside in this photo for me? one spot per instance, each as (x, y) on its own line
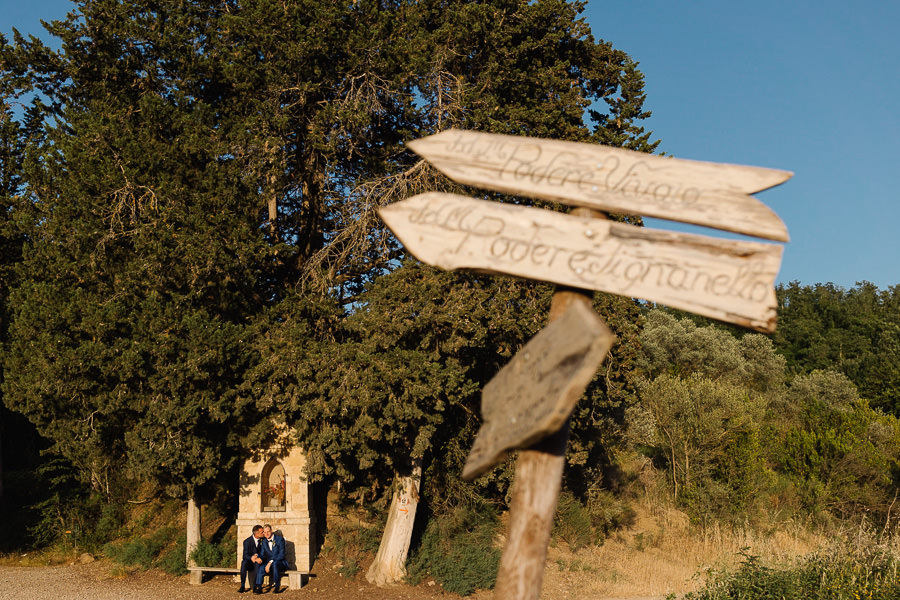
(458, 549)
(868, 573)
(734, 435)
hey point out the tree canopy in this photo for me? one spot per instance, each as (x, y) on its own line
(855, 331)
(193, 188)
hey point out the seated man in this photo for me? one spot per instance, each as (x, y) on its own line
(250, 560)
(274, 563)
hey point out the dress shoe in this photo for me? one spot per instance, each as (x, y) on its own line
(241, 590)
(278, 589)
(257, 589)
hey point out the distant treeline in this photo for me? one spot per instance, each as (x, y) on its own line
(750, 427)
(854, 331)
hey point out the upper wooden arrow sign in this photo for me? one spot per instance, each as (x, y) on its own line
(724, 279)
(610, 179)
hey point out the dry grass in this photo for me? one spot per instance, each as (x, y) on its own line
(662, 554)
(47, 557)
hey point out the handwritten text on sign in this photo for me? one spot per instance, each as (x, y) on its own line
(723, 279)
(610, 179)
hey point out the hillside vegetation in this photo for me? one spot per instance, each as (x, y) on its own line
(190, 256)
(719, 448)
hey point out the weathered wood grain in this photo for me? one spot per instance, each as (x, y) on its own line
(534, 493)
(728, 280)
(610, 179)
(534, 394)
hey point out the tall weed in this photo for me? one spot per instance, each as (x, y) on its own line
(843, 573)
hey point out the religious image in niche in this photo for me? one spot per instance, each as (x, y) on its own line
(273, 488)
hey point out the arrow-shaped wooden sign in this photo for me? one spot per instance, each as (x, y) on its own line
(534, 394)
(724, 279)
(610, 179)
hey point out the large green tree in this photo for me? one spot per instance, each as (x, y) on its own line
(142, 260)
(401, 381)
(199, 217)
(702, 400)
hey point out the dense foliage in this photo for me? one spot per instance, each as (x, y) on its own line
(191, 255)
(868, 572)
(741, 438)
(191, 249)
(855, 331)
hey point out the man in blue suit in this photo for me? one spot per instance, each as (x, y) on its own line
(272, 554)
(250, 560)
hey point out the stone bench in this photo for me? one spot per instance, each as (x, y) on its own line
(291, 578)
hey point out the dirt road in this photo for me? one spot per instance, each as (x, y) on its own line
(100, 580)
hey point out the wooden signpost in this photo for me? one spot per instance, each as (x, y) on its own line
(610, 179)
(533, 396)
(528, 404)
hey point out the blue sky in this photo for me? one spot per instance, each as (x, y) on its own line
(809, 87)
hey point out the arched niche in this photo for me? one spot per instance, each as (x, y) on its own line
(273, 491)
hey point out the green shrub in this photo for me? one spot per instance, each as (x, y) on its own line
(867, 574)
(220, 554)
(458, 550)
(207, 554)
(572, 522)
(842, 456)
(172, 560)
(139, 552)
(608, 513)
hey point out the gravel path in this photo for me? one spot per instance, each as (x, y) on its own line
(95, 581)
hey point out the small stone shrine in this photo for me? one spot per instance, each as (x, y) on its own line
(274, 489)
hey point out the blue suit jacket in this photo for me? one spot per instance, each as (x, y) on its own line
(250, 548)
(276, 554)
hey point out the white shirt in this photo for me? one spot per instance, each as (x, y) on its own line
(267, 542)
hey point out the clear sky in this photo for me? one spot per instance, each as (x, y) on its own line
(808, 87)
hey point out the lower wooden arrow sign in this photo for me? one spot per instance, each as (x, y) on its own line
(534, 394)
(730, 280)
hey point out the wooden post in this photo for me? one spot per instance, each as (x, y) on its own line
(193, 537)
(536, 489)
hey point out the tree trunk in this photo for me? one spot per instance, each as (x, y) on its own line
(389, 564)
(193, 536)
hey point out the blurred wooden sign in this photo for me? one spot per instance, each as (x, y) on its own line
(728, 280)
(610, 179)
(533, 395)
